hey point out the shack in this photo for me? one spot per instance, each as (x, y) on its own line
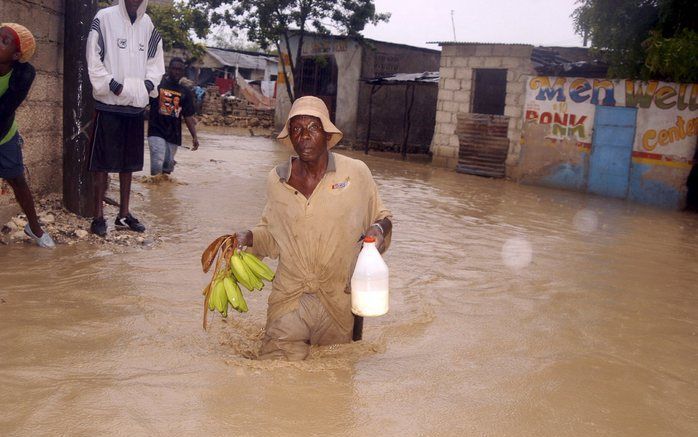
(481, 96)
(220, 66)
(339, 70)
(398, 130)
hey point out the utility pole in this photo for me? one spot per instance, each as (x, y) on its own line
(453, 26)
(78, 108)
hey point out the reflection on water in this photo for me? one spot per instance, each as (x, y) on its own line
(514, 311)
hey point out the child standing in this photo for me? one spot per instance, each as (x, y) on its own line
(17, 46)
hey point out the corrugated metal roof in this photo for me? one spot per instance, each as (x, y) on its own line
(578, 61)
(233, 58)
(398, 78)
(547, 60)
(474, 43)
(360, 39)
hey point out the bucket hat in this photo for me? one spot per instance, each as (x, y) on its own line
(24, 40)
(313, 106)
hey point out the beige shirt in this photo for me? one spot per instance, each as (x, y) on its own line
(317, 239)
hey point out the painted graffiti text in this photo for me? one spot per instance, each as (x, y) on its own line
(653, 138)
(580, 90)
(637, 94)
(562, 124)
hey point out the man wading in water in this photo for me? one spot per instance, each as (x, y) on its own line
(173, 103)
(319, 207)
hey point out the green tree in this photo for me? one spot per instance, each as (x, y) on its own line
(271, 22)
(642, 39)
(675, 58)
(176, 23)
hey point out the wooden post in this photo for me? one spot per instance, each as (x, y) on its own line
(370, 112)
(78, 108)
(408, 113)
(374, 89)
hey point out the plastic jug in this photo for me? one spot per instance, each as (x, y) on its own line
(369, 283)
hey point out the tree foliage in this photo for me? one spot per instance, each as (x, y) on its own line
(273, 22)
(642, 39)
(176, 23)
(674, 58)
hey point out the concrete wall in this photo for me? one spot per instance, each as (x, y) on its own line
(384, 59)
(40, 116)
(456, 70)
(558, 134)
(347, 54)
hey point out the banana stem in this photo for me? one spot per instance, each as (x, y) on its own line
(226, 245)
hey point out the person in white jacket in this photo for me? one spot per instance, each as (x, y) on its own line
(125, 63)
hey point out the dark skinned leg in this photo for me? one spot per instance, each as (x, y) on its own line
(125, 188)
(26, 202)
(99, 180)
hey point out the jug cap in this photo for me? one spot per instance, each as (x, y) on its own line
(369, 240)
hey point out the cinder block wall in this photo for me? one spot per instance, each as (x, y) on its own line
(455, 93)
(40, 116)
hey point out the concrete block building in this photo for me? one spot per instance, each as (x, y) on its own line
(480, 106)
(481, 98)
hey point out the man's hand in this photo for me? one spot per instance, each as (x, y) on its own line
(378, 230)
(244, 238)
(375, 232)
(191, 125)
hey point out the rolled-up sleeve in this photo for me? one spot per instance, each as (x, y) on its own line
(264, 244)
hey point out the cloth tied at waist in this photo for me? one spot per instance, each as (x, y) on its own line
(311, 285)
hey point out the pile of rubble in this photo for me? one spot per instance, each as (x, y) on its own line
(233, 121)
(233, 111)
(68, 228)
(212, 103)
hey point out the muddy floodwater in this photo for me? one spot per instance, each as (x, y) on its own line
(515, 311)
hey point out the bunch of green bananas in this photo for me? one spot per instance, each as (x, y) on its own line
(250, 270)
(245, 269)
(231, 267)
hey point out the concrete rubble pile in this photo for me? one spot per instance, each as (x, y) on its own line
(212, 101)
(233, 111)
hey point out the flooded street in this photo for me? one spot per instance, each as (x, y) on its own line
(515, 311)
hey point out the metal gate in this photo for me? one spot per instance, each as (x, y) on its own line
(483, 144)
(612, 147)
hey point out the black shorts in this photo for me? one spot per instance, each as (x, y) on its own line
(11, 163)
(117, 143)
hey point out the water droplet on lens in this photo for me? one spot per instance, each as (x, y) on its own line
(517, 253)
(585, 221)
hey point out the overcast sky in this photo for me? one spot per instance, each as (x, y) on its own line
(537, 22)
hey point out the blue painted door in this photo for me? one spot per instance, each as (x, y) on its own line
(611, 150)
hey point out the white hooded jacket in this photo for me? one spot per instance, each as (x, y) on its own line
(125, 55)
